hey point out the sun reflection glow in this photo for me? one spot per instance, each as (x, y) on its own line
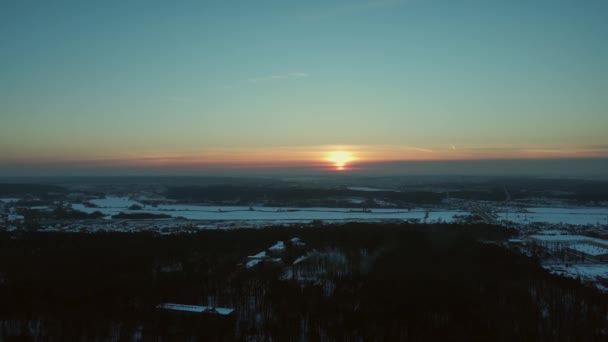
(340, 159)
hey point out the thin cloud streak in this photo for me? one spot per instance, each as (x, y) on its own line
(277, 77)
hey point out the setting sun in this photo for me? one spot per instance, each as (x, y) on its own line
(340, 159)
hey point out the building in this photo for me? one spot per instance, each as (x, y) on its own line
(588, 252)
(179, 322)
(254, 260)
(554, 243)
(275, 255)
(579, 246)
(196, 309)
(296, 243)
(277, 250)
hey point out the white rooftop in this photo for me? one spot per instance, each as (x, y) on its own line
(195, 308)
(262, 254)
(300, 259)
(569, 239)
(561, 238)
(252, 263)
(589, 249)
(277, 246)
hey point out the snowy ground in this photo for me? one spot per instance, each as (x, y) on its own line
(115, 205)
(222, 217)
(576, 216)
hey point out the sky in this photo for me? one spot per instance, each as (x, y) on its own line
(220, 85)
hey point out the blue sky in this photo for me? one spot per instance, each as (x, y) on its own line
(130, 80)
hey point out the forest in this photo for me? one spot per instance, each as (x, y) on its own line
(294, 196)
(374, 282)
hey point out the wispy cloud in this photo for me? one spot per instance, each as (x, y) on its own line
(278, 77)
(419, 149)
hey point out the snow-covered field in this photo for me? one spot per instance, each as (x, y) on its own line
(577, 216)
(115, 205)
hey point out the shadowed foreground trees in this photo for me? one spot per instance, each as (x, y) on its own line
(376, 282)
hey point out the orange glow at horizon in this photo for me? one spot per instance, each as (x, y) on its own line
(340, 159)
(334, 158)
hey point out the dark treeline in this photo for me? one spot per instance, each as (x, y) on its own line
(293, 196)
(582, 191)
(495, 194)
(140, 216)
(579, 190)
(59, 213)
(366, 281)
(38, 190)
